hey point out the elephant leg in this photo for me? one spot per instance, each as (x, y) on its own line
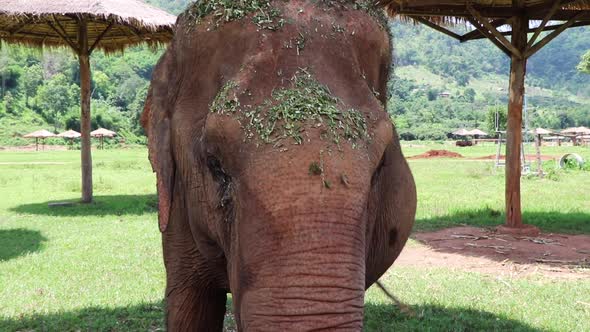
(196, 309)
(193, 303)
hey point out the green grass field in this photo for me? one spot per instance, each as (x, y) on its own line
(99, 267)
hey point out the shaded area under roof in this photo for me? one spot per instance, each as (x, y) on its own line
(115, 24)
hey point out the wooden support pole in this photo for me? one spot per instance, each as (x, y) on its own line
(85, 116)
(514, 130)
(539, 161)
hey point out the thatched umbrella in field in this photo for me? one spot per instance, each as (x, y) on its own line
(101, 133)
(71, 135)
(461, 132)
(39, 135)
(477, 132)
(84, 26)
(577, 131)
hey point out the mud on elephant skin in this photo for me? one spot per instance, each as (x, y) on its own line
(280, 176)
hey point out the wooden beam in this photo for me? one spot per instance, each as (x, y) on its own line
(101, 36)
(64, 37)
(548, 28)
(20, 27)
(532, 50)
(541, 27)
(437, 27)
(476, 34)
(515, 51)
(493, 39)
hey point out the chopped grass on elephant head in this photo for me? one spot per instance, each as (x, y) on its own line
(227, 99)
(291, 110)
(368, 6)
(223, 11)
(306, 102)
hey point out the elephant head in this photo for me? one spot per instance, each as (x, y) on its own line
(279, 173)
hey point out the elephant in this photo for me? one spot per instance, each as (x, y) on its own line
(279, 173)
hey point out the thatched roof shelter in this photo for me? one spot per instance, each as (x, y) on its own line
(101, 132)
(71, 134)
(40, 134)
(577, 131)
(114, 25)
(84, 26)
(541, 131)
(477, 132)
(524, 21)
(461, 132)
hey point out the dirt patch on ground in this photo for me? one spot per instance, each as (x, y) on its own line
(437, 154)
(528, 157)
(484, 250)
(32, 148)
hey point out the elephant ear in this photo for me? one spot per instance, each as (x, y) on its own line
(392, 208)
(156, 122)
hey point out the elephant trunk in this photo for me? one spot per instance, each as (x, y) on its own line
(307, 272)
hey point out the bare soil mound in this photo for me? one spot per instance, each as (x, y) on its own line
(437, 154)
(485, 250)
(528, 157)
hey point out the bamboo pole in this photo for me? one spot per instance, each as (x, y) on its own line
(539, 161)
(85, 116)
(514, 130)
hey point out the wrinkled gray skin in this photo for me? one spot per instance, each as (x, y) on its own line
(296, 250)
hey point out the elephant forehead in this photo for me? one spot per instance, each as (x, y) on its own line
(306, 176)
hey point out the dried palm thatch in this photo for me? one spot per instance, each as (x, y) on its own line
(112, 24)
(456, 11)
(101, 132)
(40, 134)
(71, 134)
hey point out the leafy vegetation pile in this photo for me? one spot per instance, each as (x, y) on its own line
(224, 11)
(285, 115)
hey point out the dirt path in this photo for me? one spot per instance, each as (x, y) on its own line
(485, 251)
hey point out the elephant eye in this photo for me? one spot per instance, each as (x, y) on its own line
(225, 187)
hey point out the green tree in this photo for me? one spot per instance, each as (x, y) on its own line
(56, 97)
(469, 95)
(585, 64)
(496, 114)
(32, 79)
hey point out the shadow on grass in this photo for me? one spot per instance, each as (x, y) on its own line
(384, 317)
(118, 205)
(18, 242)
(378, 317)
(143, 317)
(551, 221)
